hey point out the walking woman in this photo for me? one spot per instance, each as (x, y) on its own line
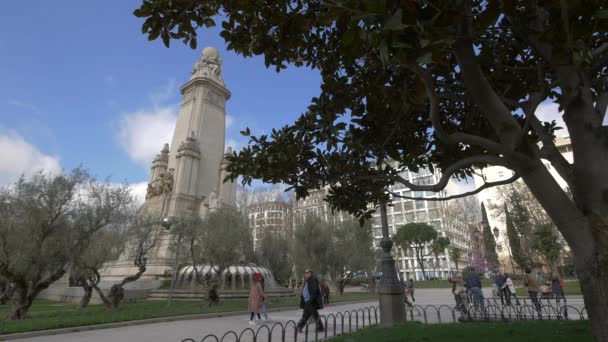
(410, 289)
(256, 297)
(509, 289)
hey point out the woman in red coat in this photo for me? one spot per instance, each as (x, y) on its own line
(256, 297)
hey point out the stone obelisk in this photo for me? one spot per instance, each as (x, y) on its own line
(187, 176)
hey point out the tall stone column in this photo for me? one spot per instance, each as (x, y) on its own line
(389, 289)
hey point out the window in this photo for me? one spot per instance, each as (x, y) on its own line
(434, 214)
(408, 206)
(420, 204)
(398, 219)
(409, 217)
(422, 216)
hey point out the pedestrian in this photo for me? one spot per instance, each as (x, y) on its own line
(407, 301)
(256, 298)
(509, 290)
(264, 307)
(558, 292)
(473, 284)
(460, 293)
(500, 282)
(326, 293)
(410, 289)
(532, 284)
(310, 301)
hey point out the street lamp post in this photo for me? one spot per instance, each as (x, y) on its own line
(167, 223)
(496, 234)
(390, 289)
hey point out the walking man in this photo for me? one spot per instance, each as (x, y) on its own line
(311, 301)
(473, 283)
(500, 282)
(532, 284)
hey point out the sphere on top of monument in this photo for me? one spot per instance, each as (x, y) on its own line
(209, 66)
(211, 54)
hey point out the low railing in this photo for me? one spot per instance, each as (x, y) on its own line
(341, 323)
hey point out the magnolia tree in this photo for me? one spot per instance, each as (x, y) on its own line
(447, 84)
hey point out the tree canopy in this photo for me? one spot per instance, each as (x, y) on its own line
(417, 236)
(447, 84)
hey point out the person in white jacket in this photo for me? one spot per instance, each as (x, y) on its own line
(509, 289)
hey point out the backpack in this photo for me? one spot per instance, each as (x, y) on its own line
(562, 283)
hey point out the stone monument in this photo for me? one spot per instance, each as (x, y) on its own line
(187, 175)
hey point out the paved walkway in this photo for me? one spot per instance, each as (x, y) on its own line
(197, 329)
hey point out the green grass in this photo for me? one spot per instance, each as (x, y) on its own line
(442, 284)
(46, 314)
(537, 331)
(571, 288)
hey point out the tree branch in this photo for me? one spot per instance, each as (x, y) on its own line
(486, 185)
(490, 104)
(602, 104)
(456, 137)
(550, 152)
(450, 170)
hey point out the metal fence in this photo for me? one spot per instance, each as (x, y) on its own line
(341, 323)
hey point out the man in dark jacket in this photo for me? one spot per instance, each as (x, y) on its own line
(473, 284)
(311, 301)
(500, 281)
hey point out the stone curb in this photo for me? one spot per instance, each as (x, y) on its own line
(37, 333)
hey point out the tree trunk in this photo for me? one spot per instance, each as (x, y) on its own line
(103, 297)
(593, 277)
(20, 304)
(88, 292)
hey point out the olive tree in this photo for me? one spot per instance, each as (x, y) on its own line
(220, 240)
(142, 236)
(447, 84)
(49, 222)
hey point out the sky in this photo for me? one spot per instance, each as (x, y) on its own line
(81, 85)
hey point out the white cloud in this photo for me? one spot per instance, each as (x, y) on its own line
(143, 133)
(548, 111)
(139, 191)
(229, 120)
(20, 157)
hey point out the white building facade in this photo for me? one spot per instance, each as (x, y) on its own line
(402, 211)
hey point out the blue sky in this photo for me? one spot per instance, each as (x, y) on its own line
(79, 83)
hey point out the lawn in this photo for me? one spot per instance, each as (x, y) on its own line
(46, 314)
(571, 288)
(537, 331)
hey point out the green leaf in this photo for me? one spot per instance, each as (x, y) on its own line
(425, 58)
(246, 132)
(193, 43)
(395, 21)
